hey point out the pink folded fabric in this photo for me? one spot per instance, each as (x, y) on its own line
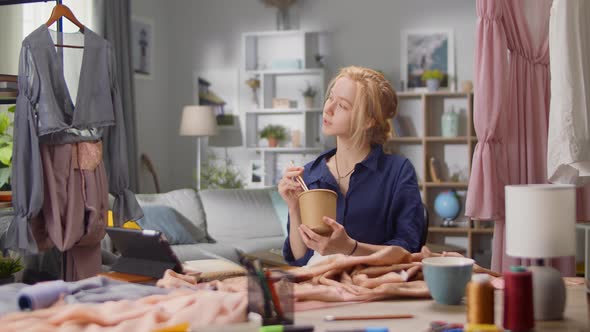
(389, 273)
(196, 307)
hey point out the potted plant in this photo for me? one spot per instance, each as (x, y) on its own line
(282, 7)
(8, 267)
(6, 125)
(254, 84)
(433, 78)
(274, 134)
(309, 95)
(217, 175)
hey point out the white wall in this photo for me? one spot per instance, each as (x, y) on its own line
(153, 104)
(17, 21)
(10, 38)
(194, 35)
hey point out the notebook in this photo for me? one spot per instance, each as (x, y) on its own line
(214, 269)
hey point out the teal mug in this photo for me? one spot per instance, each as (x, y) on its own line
(447, 277)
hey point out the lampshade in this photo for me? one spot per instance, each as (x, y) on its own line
(198, 121)
(540, 220)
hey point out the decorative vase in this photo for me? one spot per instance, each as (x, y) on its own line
(432, 84)
(467, 86)
(309, 102)
(283, 19)
(450, 123)
(255, 102)
(272, 142)
(296, 138)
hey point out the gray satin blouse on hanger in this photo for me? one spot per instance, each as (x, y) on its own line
(46, 114)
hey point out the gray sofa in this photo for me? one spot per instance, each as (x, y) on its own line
(223, 220)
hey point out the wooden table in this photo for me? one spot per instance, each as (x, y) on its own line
(577, 315)
(425, 311)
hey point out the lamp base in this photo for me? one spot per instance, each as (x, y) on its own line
(548, 293)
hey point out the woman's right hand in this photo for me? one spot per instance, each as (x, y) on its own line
(289, 188)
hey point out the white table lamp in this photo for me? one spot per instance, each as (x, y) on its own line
(540, 223)
(198, 121)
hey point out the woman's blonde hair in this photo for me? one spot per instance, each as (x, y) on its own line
(375, 104)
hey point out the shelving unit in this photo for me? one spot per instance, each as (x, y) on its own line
(284, 63)
(423, 111)
(7, 98)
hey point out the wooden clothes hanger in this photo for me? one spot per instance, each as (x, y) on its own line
(60, 11)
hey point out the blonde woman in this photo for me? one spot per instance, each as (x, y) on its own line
(379, 202)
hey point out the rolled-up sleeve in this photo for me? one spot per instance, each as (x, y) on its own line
(125, 206)
(408, 211)
(27, 169)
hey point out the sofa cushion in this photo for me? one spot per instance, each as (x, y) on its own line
(166, 220)
(187, 204)
(281, 209)
(240, 214)
(252, 245)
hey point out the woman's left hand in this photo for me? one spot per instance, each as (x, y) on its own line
(337, 243)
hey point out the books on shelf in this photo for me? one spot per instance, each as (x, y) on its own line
(8, 93)
(8, 78)
(8, 85)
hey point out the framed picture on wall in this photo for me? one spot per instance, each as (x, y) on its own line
(256, 174)
(142, 46)
(424, 50)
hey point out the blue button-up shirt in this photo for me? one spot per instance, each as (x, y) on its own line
(382, 206)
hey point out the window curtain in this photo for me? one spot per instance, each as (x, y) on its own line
(116, 28)
(568, 151)
(511, 111)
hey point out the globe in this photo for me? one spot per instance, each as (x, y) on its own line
(447, 206)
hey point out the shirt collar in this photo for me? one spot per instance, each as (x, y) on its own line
(372, 160)
(318, 167)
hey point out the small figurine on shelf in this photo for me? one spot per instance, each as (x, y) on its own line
(274, 134)
(467, 86)
(309, 95)
(254, 84)
(319, 60)
(282, 6)
(458, 173)
(434, 170)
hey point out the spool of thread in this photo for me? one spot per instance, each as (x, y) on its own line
(480, 300)
(518, 299)
(41, 295)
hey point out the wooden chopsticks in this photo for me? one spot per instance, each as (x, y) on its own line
(300, 179)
